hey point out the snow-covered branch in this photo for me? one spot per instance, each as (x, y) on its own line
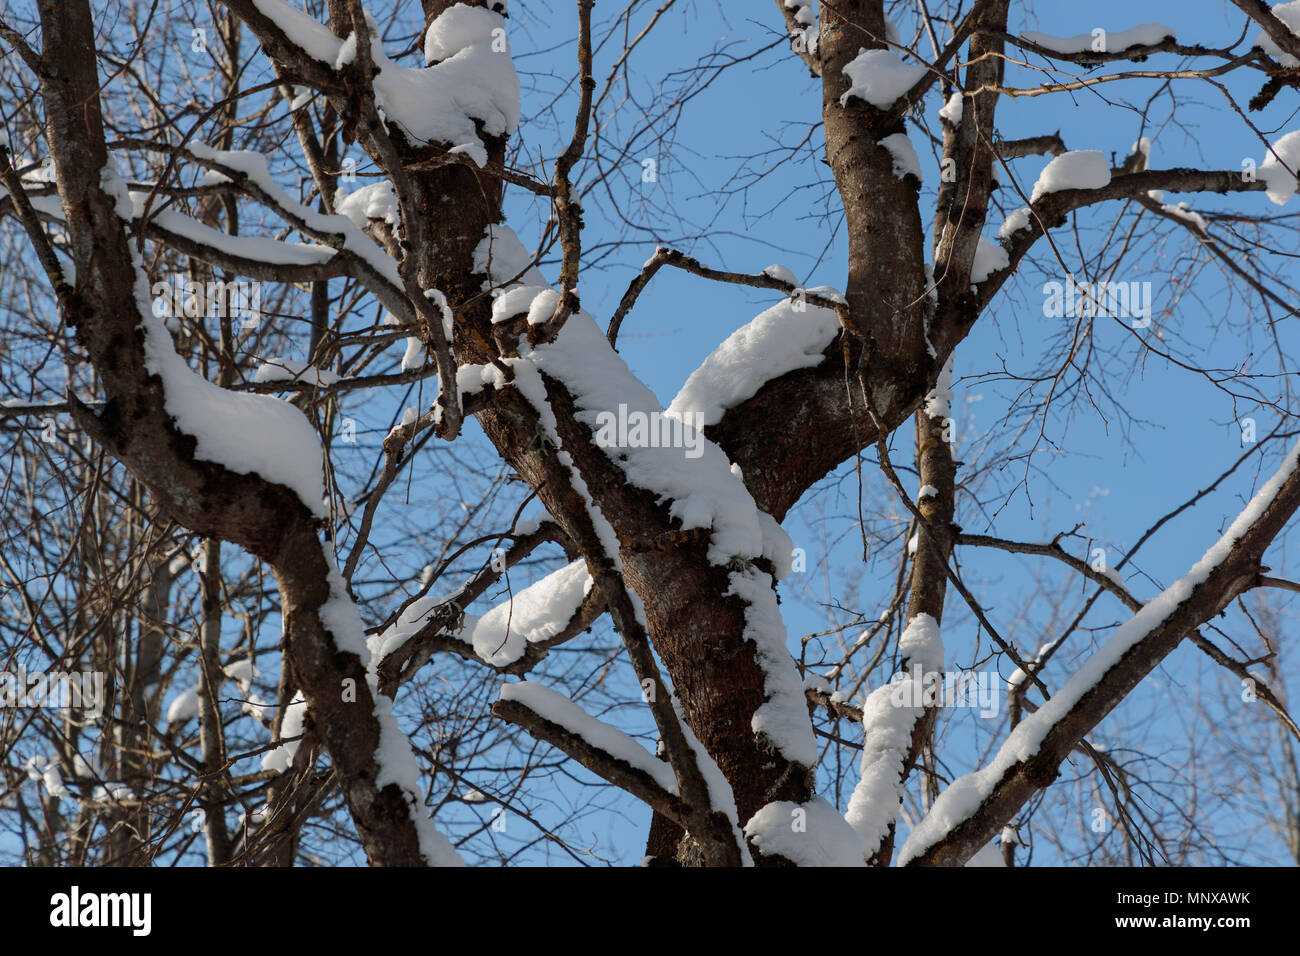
(973, 808)
(600, 747)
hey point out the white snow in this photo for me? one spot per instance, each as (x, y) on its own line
(503, 259)
(888, 720)
(781, 274)
(537, 613)
(413, 356)
(806, 834)
(1184, 212)
(530, 524)
(1016, 220)
(185, 706)
(374, 201)
(880, 78)
(963, 797)
(887, 735)
(457, 28)
(1147, 34)
(113, 792)
(904, 155)
(778, 546)
(938, 403)
(1078, 169)
(254, 166)
(803, 11)
(555, 707)
(394, 757)
(277, 369)
(439, 301)
(241, 672)
(254, 706)
(48, 775)
(281, 758)
(928, 491)
(721, 797)
(538, 302)
(778, 340)
(806, 32)
(248, 434)
(416, 615)
(1281, 165)
(702, 492)
(313, 36)
(438, 103)
(952, 110)
(921, 643)
(1288, 13)
(256, 248)
(347, 54)
(397, 765)
(783, 716)
(441, 102)
(814, 681)
(990, 257)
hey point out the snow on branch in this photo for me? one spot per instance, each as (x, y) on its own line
(889, 720)
(695, 482)
(245, 433)
(1025, 227)
(600, 747)
(1101, 44)
(340, 248)
(1280, 37)
(532, 616)
(511, 637)
(971, 810)
(881, 78)
(580, 362)
(469, 84)
(700, 491)
(801, 23)
(806, 834)
(776, 277)
(790, 335)
(394, 758)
